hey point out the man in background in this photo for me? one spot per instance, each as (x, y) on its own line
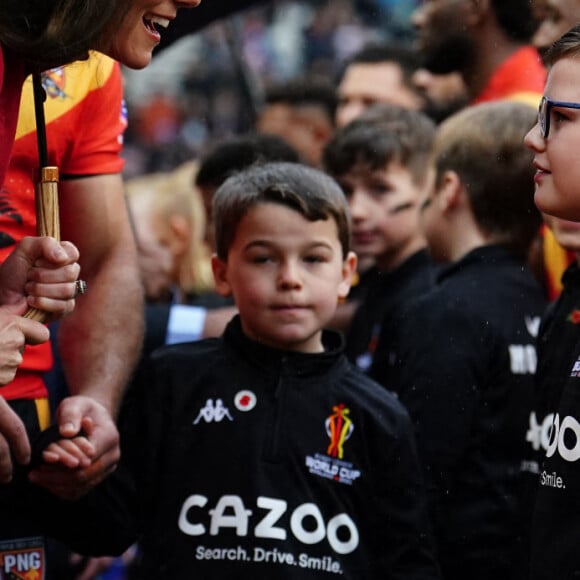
(377, 74)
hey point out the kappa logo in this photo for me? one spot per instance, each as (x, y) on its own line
(213, 412)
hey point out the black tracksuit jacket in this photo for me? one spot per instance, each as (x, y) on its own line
(388, 293)
(554, 434)
(465, 375)
(256, 463)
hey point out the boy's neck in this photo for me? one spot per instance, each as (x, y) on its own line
(464, 236)
(389, 261)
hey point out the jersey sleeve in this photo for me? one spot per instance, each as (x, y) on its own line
(101, 121)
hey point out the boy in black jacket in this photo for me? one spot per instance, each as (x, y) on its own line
(554, 141)
(264, 453)
(467, 356)
(381, 161)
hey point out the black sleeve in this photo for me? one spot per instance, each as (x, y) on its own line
(142, 424)
(401, 498)
(439, 380)
(156, 323)
(101, 523)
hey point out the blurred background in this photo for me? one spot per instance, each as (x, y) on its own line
(208, 85)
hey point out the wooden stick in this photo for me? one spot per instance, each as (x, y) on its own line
(47, 218)
(46, 199)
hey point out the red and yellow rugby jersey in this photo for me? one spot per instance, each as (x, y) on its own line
(85, 121)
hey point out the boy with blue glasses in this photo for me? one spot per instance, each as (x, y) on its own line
(555, 141)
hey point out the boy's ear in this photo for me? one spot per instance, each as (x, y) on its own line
(220, 275)
(348, 270)
(449, 191)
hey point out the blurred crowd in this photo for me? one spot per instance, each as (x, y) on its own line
(208, 87)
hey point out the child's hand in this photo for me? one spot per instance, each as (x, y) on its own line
(83, 420)
(71, 453)
(50, 447)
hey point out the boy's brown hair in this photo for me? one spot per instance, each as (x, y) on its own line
(310, 192)
(382, 134)
(484, 145)
(567, 46)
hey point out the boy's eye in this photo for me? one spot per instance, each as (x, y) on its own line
(315, 259)
(558, 116)
(380, 188)
(260, 259)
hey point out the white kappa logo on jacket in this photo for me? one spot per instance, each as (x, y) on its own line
(213, 412)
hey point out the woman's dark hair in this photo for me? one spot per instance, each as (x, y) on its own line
(50, 33)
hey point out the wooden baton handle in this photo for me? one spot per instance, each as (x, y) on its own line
(47, 219)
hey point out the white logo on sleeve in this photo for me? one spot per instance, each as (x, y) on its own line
(523, 359)
(576, 369)
(213, 412)
(533, 325)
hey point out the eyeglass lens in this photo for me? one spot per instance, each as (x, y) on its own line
(543, 119)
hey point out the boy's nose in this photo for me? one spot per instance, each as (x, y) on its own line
(289, 276)
(357, 204)
(187, 3)
(533, 139)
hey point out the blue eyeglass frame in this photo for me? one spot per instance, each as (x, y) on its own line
(544, 113)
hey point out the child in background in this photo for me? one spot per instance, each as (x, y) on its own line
(381, 161)
(264, 453)
(466, 349)
(169, 224)
(230, 156)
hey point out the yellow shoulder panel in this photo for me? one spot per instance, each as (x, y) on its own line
(529, 98)
(65, 88)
